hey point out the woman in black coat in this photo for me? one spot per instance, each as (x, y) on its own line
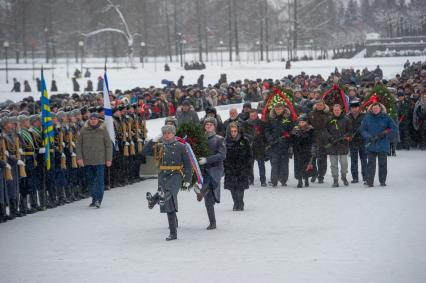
(237, 165)
(302, 139)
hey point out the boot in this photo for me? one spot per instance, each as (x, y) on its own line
(171, 217)
(43, 200)
(320, 180)
(3, 216)
(23, 205)
(212, 217)
(300, 183)
(68, 195)
(33, 202)
(53, 199)
(306, 182)
(152, 199)
(313, 178)
(12, 210)
(240, 199)
(345, 181)
(335, 183)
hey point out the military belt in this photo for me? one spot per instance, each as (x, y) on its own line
(171, 167)
(29, 153)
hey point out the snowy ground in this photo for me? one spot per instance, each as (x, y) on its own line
(315, 234)
(152, 74)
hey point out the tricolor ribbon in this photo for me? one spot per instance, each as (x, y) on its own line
(193, 159)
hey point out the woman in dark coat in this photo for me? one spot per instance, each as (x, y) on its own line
(302, 139)
(237, 165)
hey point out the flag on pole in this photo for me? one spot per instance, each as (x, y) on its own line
(107, 109)
(46, 121)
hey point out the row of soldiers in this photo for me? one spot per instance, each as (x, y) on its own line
(26, 183)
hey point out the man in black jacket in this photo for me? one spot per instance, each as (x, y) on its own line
(356, 146)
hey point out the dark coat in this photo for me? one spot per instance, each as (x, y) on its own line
(187, 117)
(237, 163)
(357, 139)
(318, 120)
(254, 130)
(338, 128)
(214, 166)
(302, 140)
(277, 132)
(373, 125)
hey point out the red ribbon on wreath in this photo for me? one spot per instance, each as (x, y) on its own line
(287, 101)
(342, 95)
(373, 99)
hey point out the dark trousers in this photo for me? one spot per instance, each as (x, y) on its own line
(404, 133)
(95, 178)
(360, 151)
(238, 198)
(279, 168)
(320, 164)
(371, 166)
(301, 160)
(262, 171)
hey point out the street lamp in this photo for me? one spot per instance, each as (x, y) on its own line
(6, 46)
(81, 44)
(221, 53)
(46, 41)
(258, 46)
(142, 53)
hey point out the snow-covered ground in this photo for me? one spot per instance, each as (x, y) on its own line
(315, 234)
(127, 78)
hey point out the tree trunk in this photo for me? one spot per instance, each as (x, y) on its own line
(206, 35)
(175, 29)
(266, 30)
(230, 28)
(200, 38)
(262, 22)
(295, 27)
(24, 30)
(169, 44)
(237, 47)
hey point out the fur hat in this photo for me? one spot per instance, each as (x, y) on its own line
(168, 129)
(210, 120)
(172, 120)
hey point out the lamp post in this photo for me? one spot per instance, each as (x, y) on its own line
(281, 49)
(81, 44)
(46, 41)
(258, 46)
(6, 46)
(221, 53)
(142, 53)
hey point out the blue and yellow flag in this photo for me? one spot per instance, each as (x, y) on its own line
(46, 121)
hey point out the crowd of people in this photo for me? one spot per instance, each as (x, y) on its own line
(321, 130)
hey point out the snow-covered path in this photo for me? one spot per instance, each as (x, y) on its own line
(317, 234)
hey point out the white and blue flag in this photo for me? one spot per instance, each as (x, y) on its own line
(107, 109)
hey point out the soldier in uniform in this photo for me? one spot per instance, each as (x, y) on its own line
(72, 134)
(118, 178)
(28, 184)
(175, 171)
(214, 169)
(12, 185)
(59, 158)
(39, 173)
(3, 192)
